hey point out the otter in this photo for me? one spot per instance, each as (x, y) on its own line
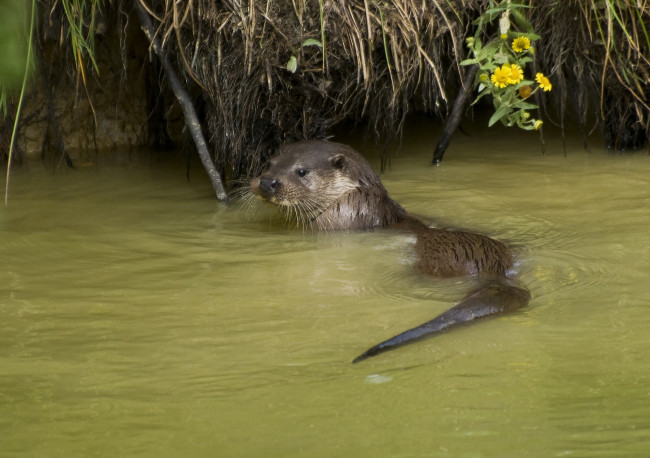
(327, 186)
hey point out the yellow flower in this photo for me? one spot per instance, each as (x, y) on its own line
(520, 43)
(543, 82)
(516, 73)
(538, 124)
(501, 76)
(504, 36)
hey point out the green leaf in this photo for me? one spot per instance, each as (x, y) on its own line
(488, 51)
(525, 105)
(531, 36)
(292, 65)
(312, 42)
(489, 67)
(523, 83)
(501, 112)
(501, 58)
(480, 96)
(490, 14)
(521, 20)
(469, 61)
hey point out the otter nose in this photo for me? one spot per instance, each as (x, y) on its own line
(269, 185)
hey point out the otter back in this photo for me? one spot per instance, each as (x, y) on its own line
(444, 253)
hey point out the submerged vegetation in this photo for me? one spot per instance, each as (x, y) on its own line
(262, 73)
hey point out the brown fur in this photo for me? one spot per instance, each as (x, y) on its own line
(329, 186)
(453, 253)
(341, 191)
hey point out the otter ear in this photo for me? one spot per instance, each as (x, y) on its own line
(338, 161)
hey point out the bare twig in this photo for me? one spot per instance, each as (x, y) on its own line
(191, 119)
(456, 112)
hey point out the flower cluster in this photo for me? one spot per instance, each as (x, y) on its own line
(502, 63)
(508, 74)
(511, 74)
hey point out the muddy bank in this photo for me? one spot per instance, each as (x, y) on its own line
(262, 73)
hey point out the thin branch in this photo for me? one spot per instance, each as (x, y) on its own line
(191, 119)
(456, 112)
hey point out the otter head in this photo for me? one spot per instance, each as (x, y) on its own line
(324, 185)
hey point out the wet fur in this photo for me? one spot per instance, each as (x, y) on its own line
(329, 186)
(340, 190)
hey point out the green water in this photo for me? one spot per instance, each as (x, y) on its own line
(140, 318)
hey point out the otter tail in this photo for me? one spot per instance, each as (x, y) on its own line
(490, 299)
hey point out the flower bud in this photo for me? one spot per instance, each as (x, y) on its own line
(525, 91)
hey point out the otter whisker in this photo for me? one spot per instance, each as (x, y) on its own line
(308, 210)
(246, 200)
(298, 215)
(287, 213)
(301, 215)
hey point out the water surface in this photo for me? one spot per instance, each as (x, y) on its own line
(139, 317)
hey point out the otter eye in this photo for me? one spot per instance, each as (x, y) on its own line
(301, 172)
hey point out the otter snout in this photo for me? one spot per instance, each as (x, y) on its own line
(265, 188)
(268, 185)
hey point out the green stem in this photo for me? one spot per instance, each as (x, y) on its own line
(20, 100)
(322, 32)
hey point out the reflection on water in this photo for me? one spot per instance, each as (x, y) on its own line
(142, 318)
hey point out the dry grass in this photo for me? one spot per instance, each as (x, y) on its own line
(378, 60)
(597, 54)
